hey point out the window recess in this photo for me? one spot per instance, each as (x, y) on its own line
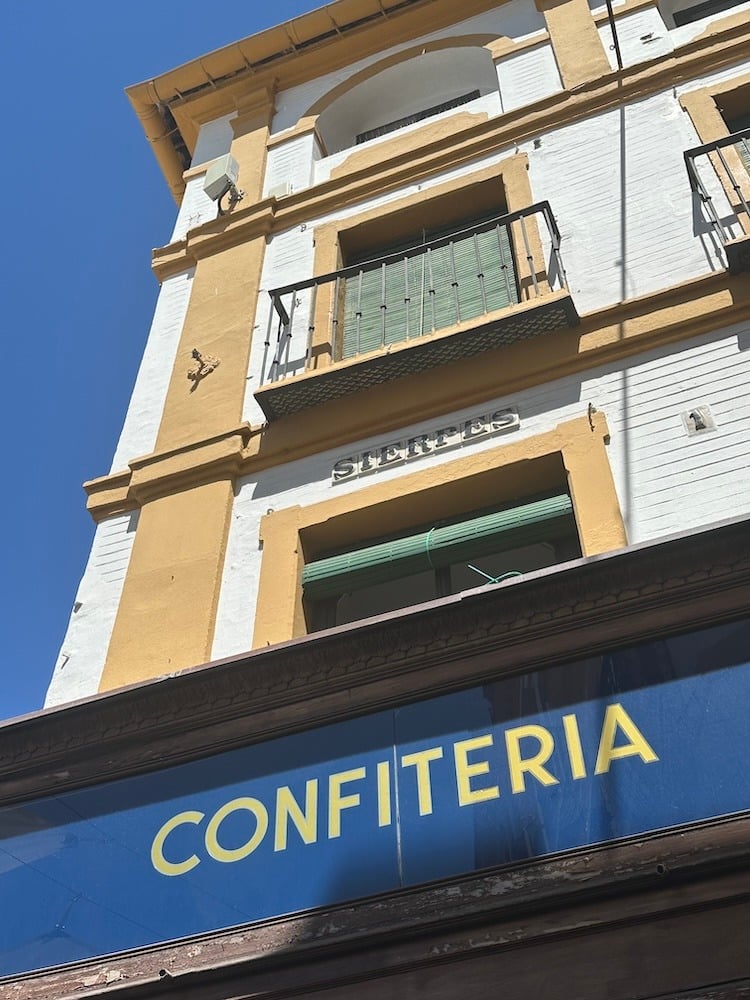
(726, 160)
(438, 560)
(418, 116)
(697, 12)
(427, 284)
(497, 281)
(740, 127)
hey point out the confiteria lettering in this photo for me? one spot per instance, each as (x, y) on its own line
(528, 749)
(441, 439)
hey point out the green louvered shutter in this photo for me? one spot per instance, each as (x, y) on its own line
(743, 146)
(541, 520)
(418, 292)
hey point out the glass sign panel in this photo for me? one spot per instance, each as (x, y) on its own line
(584, 753)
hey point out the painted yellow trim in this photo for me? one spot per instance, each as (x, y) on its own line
(415, 162)
(218, 323)
(394, 59)
(574, 450)
(213, 83)
(305, 126)
(701, 306)
(251, 129)
(369, 158)
(513, 192)
(199, 463)
(575, 40)
(167, 612)
(702, 107)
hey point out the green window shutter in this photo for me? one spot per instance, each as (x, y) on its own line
(743, 146)
(540, 520)
(419, 291)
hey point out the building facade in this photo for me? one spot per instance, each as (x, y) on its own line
(410, 653)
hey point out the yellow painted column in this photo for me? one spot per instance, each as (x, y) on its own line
(223, 301)
(167, 612)
(592, 488)
(165, 620)
(575, 40)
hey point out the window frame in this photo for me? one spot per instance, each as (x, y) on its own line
(513, 193)
(291, 535)
(703, 105)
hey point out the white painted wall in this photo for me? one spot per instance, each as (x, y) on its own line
(289, 166)
(642, 35)
(517, 19)
(528, 76)
(81, 660)
(666, 481)
(196, 207)
(214, 139)
(147, 402)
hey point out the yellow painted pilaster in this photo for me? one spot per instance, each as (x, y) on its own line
(575, 40)
(166, 617)
(575, 450)
(251, 130)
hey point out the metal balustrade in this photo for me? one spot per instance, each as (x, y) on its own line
(732, 237)
(457, 278)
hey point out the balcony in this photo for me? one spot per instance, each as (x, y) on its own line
(453, 297)
(718, 173)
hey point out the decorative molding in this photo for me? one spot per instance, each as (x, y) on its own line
(465, 918)
(722, 48)
(703, 305)
(582, 607)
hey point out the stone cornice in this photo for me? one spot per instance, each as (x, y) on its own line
(580, 608)
(710, 51)
(705, 304)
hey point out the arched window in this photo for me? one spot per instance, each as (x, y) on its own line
(411, 91)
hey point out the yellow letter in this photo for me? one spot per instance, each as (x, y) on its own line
(421, 760)
(466, 771)
(615, 716)
(534, 765)
(214, 848)
(575, 750)
(384, 793)
(158, 860)
(338, 802)
(288, 808)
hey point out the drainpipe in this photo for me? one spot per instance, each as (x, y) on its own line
(615, 41)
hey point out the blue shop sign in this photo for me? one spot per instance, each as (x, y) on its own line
(612, 746)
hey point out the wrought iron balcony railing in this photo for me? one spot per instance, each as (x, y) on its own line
(492, 283)
(728, 161)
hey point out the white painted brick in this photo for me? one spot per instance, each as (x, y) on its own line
(147, 402)
(81, 659)
(666, 481)
(527, 77)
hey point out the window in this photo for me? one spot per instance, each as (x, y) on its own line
(439, 559)
(422, 83)
(569, 461)
(740, 123)
(695, 13)
(428, 279)
(418, 116)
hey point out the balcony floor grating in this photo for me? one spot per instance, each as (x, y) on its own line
(294, 395)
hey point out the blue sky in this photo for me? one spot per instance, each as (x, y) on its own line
(84, 203)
